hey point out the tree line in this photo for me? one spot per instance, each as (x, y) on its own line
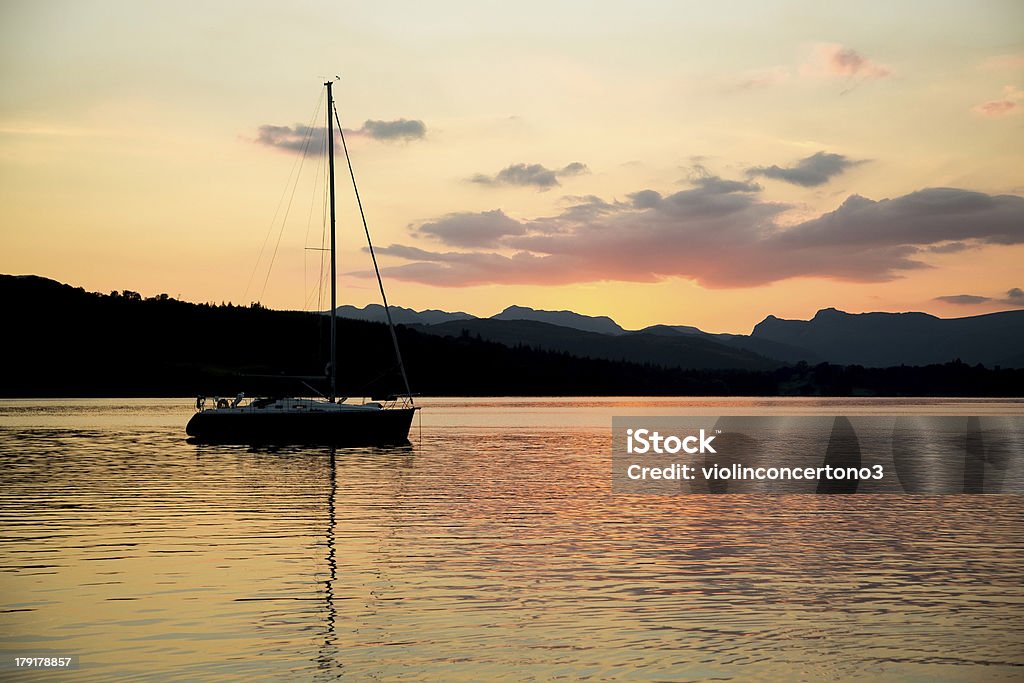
(64, 341)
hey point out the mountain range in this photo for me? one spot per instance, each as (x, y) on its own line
(64, 341)
(834, 336)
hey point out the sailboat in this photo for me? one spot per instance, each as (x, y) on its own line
(323, 420)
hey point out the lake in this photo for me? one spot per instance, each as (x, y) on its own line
(491, 548)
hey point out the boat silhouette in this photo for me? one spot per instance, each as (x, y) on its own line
(318, 420)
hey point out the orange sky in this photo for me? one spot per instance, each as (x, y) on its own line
(658, 162)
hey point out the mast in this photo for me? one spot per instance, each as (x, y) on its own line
(334, 265)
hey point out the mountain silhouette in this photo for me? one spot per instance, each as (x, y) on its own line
(400, 316)
(888, 339)
(531, 335)
(64, 341)
(765, 347)
(832, 336)
(601, 324)
(680, 351)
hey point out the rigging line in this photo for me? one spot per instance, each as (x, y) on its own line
(322, 280)
(309, 222)
(322, 277)
(370, 382)
(305, 242)
(325, 271)
(373, 256)
(284, 220)
(321, 283)
(322, 290)
(270, 228)
(325, 199)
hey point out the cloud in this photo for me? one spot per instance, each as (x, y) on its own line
(811, 171)
(827, 61)
(645, 199)
(399, 129)
(574, 168)
(964, 299)
(294, 138)
(1014, 296)
(923, 218)
(834, 60)
(299, 137)
(996, 108)
(715, 185)
(587, 208)
(530, 175)
(484, 229)
(1008, 105)
(720, 233)
(949, 248)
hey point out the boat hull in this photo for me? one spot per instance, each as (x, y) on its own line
(385, 427)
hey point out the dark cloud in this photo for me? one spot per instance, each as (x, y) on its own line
(520, 174)
(720, 233)
(645, 199)
(587, 208)
(1014, 296)
(716, 185)
(811, 171)
(530, 175)
(294, 138)
(964, 299)
(400, 129)
(484, 229)
(949, 248)
(923, 218)
(575, 168)
(298, 137)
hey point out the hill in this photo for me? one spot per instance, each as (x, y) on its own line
(400, 316)
(64, 341)
(688, 352)
(778, 351)
(887, 339)
(588, 323)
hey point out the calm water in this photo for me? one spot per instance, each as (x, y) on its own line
(492, 548)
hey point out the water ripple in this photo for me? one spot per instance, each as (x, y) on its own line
(493, 548)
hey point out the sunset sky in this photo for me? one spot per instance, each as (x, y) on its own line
(669, 162)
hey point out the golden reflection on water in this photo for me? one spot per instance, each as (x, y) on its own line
(491, 548)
